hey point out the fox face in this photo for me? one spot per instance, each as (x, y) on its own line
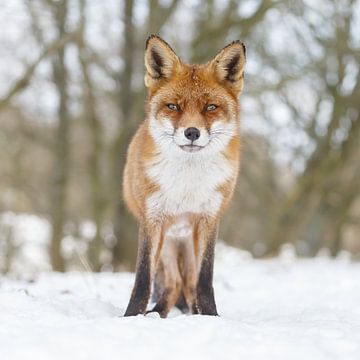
(193, 108)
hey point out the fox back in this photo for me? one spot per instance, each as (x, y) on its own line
(181, 172)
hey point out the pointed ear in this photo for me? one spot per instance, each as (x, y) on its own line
(229, 65)
(160, 60)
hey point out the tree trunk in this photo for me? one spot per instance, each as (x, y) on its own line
(61, 146)
(124, 251)
(95, 129)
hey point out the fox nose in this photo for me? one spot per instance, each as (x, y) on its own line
(192, 133)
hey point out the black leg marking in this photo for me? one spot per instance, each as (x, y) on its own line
(161, 306)
(205, 291)
(181, 303)
(141, 291)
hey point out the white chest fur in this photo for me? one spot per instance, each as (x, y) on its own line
(188, 182)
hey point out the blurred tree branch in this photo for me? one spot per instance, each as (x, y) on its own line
(327, 162)
(50, 49)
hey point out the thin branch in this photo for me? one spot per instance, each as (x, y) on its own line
(25, 79)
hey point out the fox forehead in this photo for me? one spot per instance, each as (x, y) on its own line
(192, 83)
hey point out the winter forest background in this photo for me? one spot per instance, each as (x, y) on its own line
(72, 95)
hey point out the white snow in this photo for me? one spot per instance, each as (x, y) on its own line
(285, 308)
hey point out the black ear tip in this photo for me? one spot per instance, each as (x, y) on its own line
(238, 42)
(150, 37)
(244, 48)
(156, 38)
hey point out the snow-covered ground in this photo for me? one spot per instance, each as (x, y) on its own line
(275, 309)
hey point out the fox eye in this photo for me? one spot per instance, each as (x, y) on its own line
(211, 107)
(173, 107)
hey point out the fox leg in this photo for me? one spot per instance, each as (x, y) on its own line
(171, 280)
(181, 303)
(189, 291)
(169, 296)
(206, 237)
(148, 253)
(189, 276)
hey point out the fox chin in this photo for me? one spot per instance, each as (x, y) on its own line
(180, 174)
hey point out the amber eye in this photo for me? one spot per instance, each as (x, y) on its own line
(211, 107)
(173, 107)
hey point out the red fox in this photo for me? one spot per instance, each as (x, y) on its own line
(180, 174)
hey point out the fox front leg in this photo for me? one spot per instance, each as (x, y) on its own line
(149, 242)
(205, 299)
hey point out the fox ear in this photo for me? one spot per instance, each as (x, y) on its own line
(160, 60)
(229, 65)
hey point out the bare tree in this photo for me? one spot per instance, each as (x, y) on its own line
(61, 145)
(95, 128)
